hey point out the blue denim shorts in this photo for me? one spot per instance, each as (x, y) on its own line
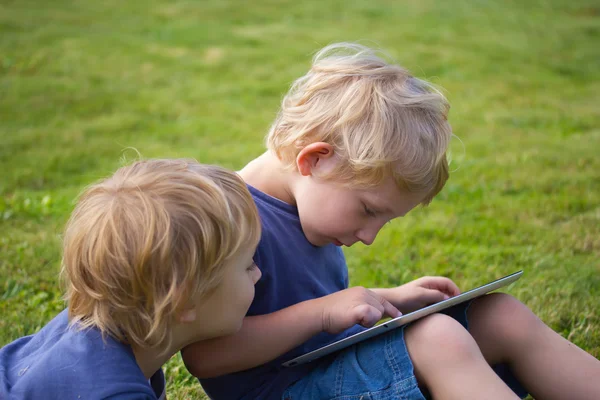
(376, 369)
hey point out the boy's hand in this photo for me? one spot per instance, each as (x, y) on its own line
(356, 305)
(420, 293)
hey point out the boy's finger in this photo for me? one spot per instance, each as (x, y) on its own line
(433, 296)
(390, 310)
(367, 315)
(372, 316)
(385, 306)
(447, 286)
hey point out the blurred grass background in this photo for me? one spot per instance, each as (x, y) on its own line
(82, 81)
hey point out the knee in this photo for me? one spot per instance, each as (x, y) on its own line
(505, 318)
(437, 339)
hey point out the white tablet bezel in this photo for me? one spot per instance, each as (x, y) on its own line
(402, 320)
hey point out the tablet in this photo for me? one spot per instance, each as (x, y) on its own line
(402, 320)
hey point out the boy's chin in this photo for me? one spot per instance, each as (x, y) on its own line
(231, 329)
(320, 242)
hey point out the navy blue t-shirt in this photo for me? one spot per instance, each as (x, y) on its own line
(61, 362)
(293, 270)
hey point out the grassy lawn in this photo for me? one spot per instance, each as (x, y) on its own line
(82, 81)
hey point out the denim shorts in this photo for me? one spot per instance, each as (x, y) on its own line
(376, 369)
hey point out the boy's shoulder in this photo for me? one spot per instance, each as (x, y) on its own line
(278, 220)
(62, 362)
(271, 207)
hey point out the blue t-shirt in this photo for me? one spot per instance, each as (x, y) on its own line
(61, 362)
(293, 270)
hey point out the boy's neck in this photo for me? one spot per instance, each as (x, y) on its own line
(266, 173)
(151, 359)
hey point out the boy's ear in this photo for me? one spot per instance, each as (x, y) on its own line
(312, 157)
(188, 315)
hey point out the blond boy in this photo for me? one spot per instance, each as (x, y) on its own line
(357, 143)
(157, 256)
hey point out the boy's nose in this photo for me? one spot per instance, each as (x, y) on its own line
(367, 236)
(368, 233)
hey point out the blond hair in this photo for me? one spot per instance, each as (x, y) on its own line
(380, 120)
(142, 242)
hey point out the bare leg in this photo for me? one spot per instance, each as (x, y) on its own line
(549, 366)
(448, 362)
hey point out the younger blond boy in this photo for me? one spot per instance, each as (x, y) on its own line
(359, 142)
(156, 257)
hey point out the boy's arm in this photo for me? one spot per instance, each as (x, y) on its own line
(263, 338)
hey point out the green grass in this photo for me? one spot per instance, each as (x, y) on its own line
(82, 81)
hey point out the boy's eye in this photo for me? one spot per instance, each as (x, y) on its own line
(369, 212)
(251, 267)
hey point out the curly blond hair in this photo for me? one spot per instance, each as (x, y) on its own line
(142, 242)
(380, 120)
